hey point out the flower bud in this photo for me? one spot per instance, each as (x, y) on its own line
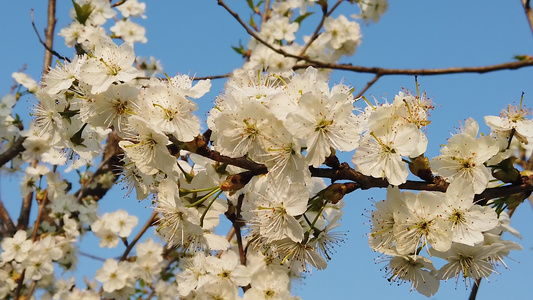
(505, 171)
(335, 192)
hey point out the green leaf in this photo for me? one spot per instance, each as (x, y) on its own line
(252, 23)
(241, 50)
(76, 139)
(302, 17)
(522, 57)
(82, 12)
(251, 4)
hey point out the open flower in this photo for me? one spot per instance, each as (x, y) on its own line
(463, 157)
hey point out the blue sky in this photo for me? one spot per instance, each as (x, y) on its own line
(194, 37)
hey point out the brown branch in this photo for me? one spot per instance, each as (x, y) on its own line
(147, 225)
(234, 215)
(345, 172)
(42, 203)
(315, 34)
(213, 77)
(266, 12)
(92, 256)
(453, 70)
(368, 85)
(118, 3)
(49, 34)
(41, 198)
(24, 216)
(110, 163)
(529, 13)
(6, 221)
(13, 151)
(200, 147)
(377, 70)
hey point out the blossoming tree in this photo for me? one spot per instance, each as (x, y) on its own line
(267, 159)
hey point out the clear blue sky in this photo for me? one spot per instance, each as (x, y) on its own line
(194, 37)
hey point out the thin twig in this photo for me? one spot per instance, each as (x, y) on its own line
(213, 77)
(44, 44)
(315, 34)
(42, 203)
(529, 13)
(377, 70)
(91, 256)
(368, 85)
(147, 225)
(442, 71)
(237, 223)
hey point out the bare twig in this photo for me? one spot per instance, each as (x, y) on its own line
(453, 70)
(213, 77)
(147, 225)
(48, 49)
(529, 13)
(91, 256)
(315, 34)
(377, 70)
(368, 85)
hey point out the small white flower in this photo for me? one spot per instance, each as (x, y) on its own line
(113, 275)
(16, 248)
(464, 156)
(111, 63)
(26, 81)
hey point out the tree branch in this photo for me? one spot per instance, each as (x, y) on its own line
(529, 13)
(213, 77)
(110, 163)
(368, 85)
(13, 151)
(345, 172)
(49, 34)
(147, 225)
(377, 70)
(453, 70)
(315, 34)
(6, 220)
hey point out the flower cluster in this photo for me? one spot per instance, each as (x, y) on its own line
(273, 135)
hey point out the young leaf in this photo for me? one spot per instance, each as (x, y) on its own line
(302, 17)
(240, 50)
(82, 12)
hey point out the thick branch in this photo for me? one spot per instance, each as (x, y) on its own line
(200, 147)
(111, 162)
(345, 172)
(6, 220)
(13, 151)
(49, 35)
